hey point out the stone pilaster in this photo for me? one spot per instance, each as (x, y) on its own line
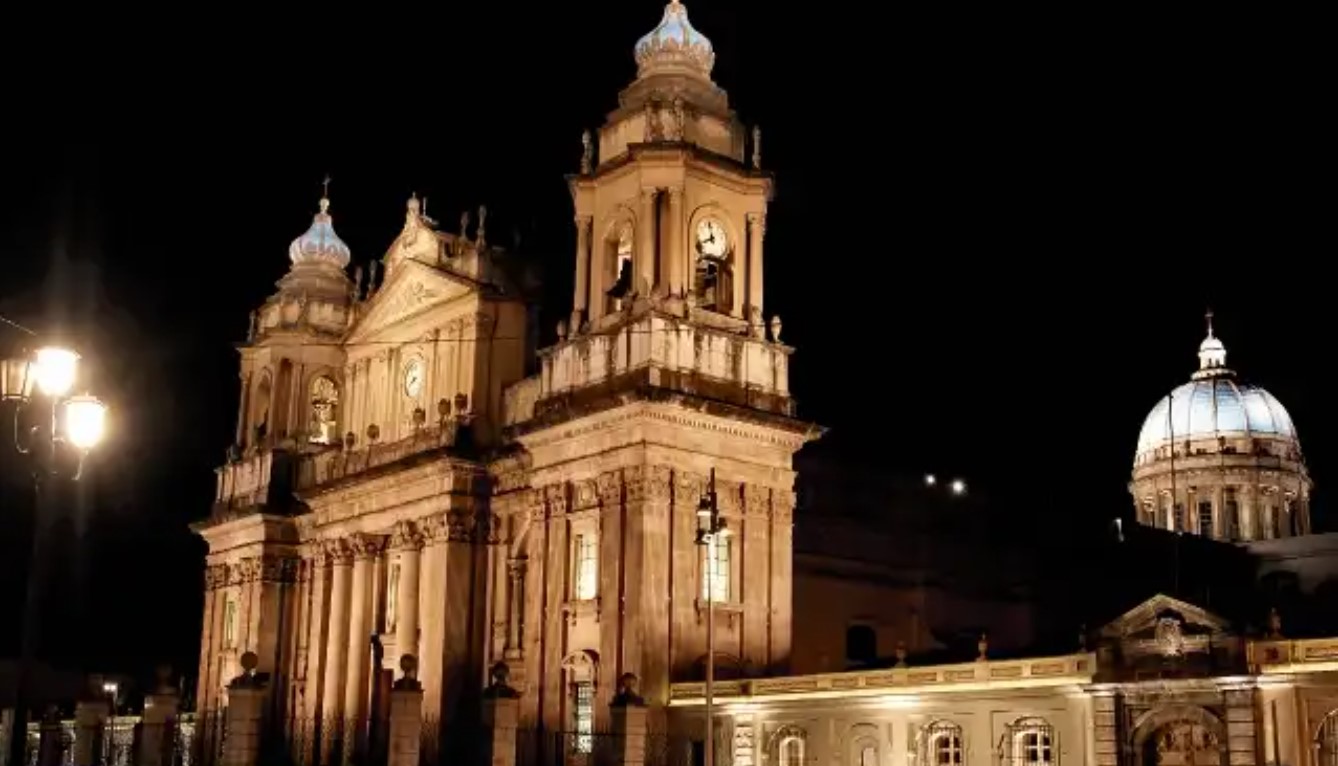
(676, 258)
(643, 270)
(406, 716)
(246, 715)
(629, 734)
(579, 304)
(757, 227)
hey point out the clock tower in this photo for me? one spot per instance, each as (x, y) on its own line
(666, 383)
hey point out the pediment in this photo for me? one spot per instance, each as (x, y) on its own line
(1143, 619)
(412, 290)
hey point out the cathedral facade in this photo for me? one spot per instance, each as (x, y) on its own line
(399, 486)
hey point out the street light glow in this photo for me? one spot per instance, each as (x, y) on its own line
(85, 421)
(958, 487)
(56, 368)
(930, 480)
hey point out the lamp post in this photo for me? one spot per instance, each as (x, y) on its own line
(110, 688)
(711, 532)
(42, 382)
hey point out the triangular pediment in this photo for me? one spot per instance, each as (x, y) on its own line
(412, 290)
(1143, 619)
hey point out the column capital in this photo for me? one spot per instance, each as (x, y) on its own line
(582, 220)
(406, 536)
(515, 568)
(759, 220)
(366, 546)
(675, 192)
(648, 193)
(338, 551)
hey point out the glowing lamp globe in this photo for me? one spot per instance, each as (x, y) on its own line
(55, 370)
(85, 421)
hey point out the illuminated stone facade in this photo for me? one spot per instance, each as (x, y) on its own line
(1220, 458)
(400, 486)
(1164, 685)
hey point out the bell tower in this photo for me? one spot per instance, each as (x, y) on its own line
(665, 386)
(673, 210)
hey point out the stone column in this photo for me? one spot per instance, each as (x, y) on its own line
(158, 726)
(501, 711)
(628, 713)
(365, 550)
(515, 571)
(406, 715)
(757, 227)
(243, 408)
(581, 300)
(676, 259)
(246, 709)
(407, 541)
(336, 652)
(90, 731)
(643, 270)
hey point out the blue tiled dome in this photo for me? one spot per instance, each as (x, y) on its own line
(674, 44)
(320, 244)
(1214, 406)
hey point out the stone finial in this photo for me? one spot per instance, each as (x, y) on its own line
(443, 408)
(776, 328)
(901, 654)
(464, 227)
(373, 433)
(481, 236)
(254, 327)
(757, 147)
(248, 678)
(983, 646)
(1082, 637)
(628, 695)
(461, 403)
(373, 267)
(1274, 623)
(357, 283)
(587, 154)
(419, 417)
(500, 686)
(409, 680)
(561, 330)
(350, 440)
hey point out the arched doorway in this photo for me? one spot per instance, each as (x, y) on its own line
(1180, 735)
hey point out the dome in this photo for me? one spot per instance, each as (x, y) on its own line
(674, 44)
(1214, 404)
(320, 245)
(1212, 407)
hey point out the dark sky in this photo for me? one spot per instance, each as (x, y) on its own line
(992, 244)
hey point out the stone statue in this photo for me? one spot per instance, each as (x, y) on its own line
(500, 687)
(654, 128)
(255, 326)
(776, 328)
(464, 227)
(983, 646)
(481, 236)
(408, 681)
(562, 330)
(1274, 623)
(371, 280)
(757, 147)
(248, 678)
(901, 654)
(677, 121)
(587, 154)
(627, 695)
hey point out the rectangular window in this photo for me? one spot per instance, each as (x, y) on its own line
(715, 577)
(586, 580)
(1232, 512)
(392, 598)
(1206, 518)
(230, 623)
(583, 716)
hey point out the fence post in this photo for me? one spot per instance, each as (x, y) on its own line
(246, 706)
(406, 715)
(628, 711)
(158, 725)
(501, 711)
(90, 726)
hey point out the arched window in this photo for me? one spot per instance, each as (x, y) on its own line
(579, 671)
(792, 752)
(715, 570)
(1028, 742)
(230, 622)
(942, 744)
(861, 644)
(868, 756)
(1326, 740)
(621, 267)
(324, 425)
(260, 406)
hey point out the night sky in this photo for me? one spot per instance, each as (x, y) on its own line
(992, 243)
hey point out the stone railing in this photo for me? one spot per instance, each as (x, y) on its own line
(270, 477)
(1281, 654)
(661, 351)
(1040, 671)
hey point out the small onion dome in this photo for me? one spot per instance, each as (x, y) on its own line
(320, 244)
(674, 46)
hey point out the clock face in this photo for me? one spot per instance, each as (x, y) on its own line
(413, 378)
(711, 238)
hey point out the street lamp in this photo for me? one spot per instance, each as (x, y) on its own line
(711, 532)
(42, 381)
(110, 688)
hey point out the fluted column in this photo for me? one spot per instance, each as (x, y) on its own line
(340, 555)
(644, 270)
(580, 300)
(365, 550)
(515, 570)
(407, 542)
(676, 259)
(757, 228)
